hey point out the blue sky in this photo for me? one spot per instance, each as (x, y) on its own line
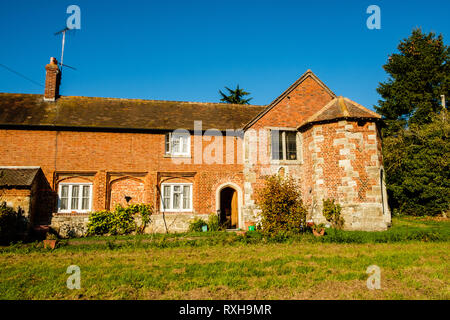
(188, 50)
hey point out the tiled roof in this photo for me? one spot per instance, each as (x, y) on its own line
(89, 112)
(17, 176)
(341, 108)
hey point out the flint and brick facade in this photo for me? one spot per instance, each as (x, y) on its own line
(118, 146)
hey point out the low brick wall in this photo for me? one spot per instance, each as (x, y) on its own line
(72, 225)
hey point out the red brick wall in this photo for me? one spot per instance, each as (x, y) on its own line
(126, 186)
(104, 156)
(302, 102)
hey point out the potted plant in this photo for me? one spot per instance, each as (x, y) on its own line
(249, 226)
(318, 229)
(50, 241)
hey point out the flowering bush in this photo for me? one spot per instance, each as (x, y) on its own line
(281, 206)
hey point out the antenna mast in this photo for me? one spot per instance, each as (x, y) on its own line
(63, 31)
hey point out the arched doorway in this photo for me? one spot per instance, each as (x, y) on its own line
(229, 216)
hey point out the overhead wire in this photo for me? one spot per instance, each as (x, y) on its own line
(21, 75)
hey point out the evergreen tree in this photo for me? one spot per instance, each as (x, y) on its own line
(235, 96)
(417, 164)
(418, 75)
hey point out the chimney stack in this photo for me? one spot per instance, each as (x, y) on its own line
(52, 80)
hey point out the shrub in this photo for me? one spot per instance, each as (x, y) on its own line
(144, 211)
(281, 206)
(120, 221)
(213, 222)
(196, 225)
(100, 222)
(9, 223)
(332, 212)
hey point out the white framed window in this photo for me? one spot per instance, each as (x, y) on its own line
(285, 145)
(178, 144)
(176, 197)
(74, 197)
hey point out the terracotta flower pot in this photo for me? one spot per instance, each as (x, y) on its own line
(50, 243)
(248, 224)
(320, 233)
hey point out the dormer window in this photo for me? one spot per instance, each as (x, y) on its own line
(178, 144)
(284, 145)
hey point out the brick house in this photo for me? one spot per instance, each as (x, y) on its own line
(191, 159)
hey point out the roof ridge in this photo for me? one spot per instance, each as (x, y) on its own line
(356, 104)
(341, 103)
(144, 100)
(157, 100)
(343, 106)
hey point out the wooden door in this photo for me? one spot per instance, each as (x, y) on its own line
(234, 210)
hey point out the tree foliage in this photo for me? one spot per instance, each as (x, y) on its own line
(418, 75)
(281, 206)
(416, 161)
(235, 96)
(415, 134)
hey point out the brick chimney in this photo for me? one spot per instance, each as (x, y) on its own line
(52, 80)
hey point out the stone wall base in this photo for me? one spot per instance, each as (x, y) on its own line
(70, 225)
(360, 217)
(75, 225)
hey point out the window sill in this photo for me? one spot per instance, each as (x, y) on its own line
(73, 212)
(286, 162)
(188, 156)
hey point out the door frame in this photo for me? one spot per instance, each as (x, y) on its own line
(236, 188)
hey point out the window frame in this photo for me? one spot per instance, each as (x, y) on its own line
(171, 198)
(298, 145)
(80, 197)
(168, 144)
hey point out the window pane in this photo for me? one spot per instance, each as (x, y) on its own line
(64, 201)
(86, 198)
(85, 204)
(75, 197)
(186, 197)
(168, 143)
(166, 197)
(176, 197)
(277, 145)
(64, 191)
(176, 200)
(176, 145)
(86, 191)
(184, 144)
(291, 145)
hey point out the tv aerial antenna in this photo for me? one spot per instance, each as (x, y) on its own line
(63, 31)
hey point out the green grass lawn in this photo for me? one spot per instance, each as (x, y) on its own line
(226, 266)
